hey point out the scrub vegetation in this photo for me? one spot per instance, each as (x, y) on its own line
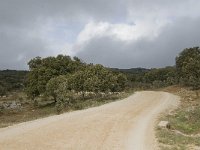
(185, 121)
(58, 84)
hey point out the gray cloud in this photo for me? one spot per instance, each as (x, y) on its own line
(17, 49)
(19, 19)
(158, 52)
(30, 28)
(27, 11)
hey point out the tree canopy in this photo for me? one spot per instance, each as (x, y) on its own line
(44, 69)
(188, 67)
(47, 74)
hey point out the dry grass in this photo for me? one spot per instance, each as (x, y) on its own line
(29, 112)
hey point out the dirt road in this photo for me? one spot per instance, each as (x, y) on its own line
(126, 124)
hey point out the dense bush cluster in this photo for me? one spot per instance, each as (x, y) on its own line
(11, 80)
(185, 72)
(151, 78)
(188, 67)
(44, 69)
(62, 78)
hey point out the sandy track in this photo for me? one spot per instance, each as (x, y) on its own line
(125, 124)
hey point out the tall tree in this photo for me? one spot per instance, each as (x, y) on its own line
(188, 67)
(44, 69)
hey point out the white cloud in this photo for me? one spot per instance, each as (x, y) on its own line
(121, 31)
(124, 32)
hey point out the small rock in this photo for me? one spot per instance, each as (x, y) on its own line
(11, 105)
(164, 124)
(14, 105)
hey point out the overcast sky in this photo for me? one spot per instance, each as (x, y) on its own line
(115, 33)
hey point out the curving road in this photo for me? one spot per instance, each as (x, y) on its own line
(126, 124)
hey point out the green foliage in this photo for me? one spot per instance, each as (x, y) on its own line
(64, 79)
(64, 97)
(96, 78)
(32, 84)
(134, 74)
(166, 75)
(76, 81)
(44, 69)
(11, 80)
(187, 72)
(2, 91)
(187, 121)
(188, 67)
(35, 63)
(150, 78)
(53, 86)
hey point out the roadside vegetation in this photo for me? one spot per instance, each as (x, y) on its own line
(67, 81)
(19, 108)
(54, 85)
(184, 133)
(185, 121)
(11, 80)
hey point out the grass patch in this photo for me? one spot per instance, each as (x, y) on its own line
(185, 119)
(175, 141)
(8, 118)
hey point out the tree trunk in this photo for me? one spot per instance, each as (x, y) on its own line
(35, 103)
(83, 95)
